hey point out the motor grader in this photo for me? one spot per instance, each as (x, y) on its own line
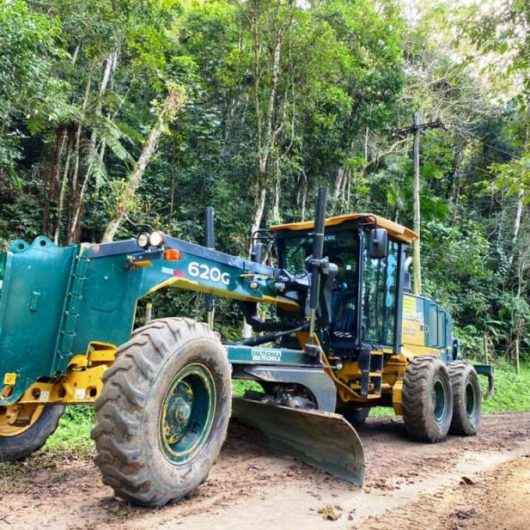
(343, 334)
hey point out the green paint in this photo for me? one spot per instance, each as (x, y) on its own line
(438, 397)
(274, 356)
(54, 301)
(29, 329)
(187, 413)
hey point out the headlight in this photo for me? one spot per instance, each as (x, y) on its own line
(156, 239)
(143, 240)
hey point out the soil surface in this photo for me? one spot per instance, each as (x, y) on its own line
(463, 483)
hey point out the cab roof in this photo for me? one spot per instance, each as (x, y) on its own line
(395, 230)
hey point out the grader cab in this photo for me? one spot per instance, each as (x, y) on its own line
(346, 335)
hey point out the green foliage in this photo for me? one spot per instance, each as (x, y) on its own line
(512, 391)
(81, 81)
(73, 433)
(30, 94)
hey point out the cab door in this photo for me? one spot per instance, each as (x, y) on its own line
(379, 296)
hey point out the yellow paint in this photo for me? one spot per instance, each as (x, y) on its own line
(142, 263)
(101, 352)
(82, 384)
(350, 375)
(413, 333)
(397, 397)
(10, 379)
(280, 301)
(393, 375)
(77, 387)
(191, 285)
(16, 419)
(413, 329)
(395, 230)
(78, 361)
(97, 353)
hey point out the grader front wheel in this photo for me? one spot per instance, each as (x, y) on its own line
(24, 429)
(163, 414)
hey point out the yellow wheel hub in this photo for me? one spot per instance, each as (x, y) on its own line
(16, 419)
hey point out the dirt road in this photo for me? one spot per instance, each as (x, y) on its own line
(463, 483)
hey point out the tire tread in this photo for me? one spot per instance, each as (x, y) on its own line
(121, 403)
(415, 393)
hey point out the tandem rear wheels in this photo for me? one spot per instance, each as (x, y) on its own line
(438, 399)
(164, 411)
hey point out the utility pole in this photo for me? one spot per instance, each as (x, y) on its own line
(416, 259)
(416, 129)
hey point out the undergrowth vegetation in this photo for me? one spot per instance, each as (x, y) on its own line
(512, 391)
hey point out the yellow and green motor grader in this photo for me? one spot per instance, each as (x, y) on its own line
(345, 334)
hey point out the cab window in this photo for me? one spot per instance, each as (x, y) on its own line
(339, 247)
(380, 296)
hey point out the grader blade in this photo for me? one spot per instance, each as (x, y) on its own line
(321, 439)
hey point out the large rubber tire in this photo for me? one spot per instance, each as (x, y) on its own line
(467, 396)
(130, 432)
(427, 399)
(356, 416)
(13, 448)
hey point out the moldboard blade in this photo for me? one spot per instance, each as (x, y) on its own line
(321, 439)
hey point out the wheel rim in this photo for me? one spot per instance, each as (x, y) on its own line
(470, 400)
(439, 401)
(187, 413)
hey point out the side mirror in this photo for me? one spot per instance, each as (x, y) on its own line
(378, 243)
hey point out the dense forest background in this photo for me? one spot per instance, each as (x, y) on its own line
(125, 115)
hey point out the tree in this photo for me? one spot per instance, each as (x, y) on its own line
(171, 106)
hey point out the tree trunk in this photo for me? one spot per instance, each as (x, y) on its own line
(79, 193)
(302, 195)
(62, 195)
(266, 130)
(76, 193)
(339, 184)
(258, 214)
(78, 133)
(276, 215)
(53, 177)
(417, 206)
(517, 223)
(173, 103)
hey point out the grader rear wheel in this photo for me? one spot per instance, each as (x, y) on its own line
(163, 414)
(25, 428)
(467, 399)
(427, 399)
